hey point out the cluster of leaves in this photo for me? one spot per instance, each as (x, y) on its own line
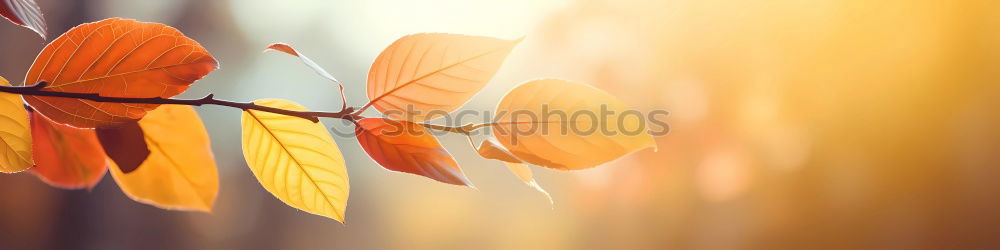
(94, 100)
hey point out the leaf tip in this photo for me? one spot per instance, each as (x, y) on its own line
(283, 48)
(41, 31)
(472, 186)
(456, 177)
(338, 216)
(534, 184)
(462, 180)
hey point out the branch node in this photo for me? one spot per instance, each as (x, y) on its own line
(39, 85)
(466, 129)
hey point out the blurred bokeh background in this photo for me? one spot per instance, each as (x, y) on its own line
(795, 124)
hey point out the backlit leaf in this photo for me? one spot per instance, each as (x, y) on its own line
(296, 160)
(25, 13)
(15, 135)
(125, 145)
(523, 172)
(308, 62)
(576, 140)
(407, 147)
(180, 172)
(491, 149)
(118, 58)
(65, 156)
(433, 72)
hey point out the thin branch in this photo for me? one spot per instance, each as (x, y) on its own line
(345, 113)
(37, 90)
(465, 130)
(343, 98)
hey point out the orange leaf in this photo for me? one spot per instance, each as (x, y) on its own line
(433, 73)
(594, 130)
(408, 147)
(117, 58)
(25, 13)
(491, 149)
(283, 48)
(64, 156)
(124, 144)
(180, 172)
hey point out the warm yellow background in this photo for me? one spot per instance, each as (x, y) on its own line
(796, 124)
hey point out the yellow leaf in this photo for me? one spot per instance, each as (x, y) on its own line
(529, 125)
(180, 171)
(433, 72)
(15, 133)
(296, 160)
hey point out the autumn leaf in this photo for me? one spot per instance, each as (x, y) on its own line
(523, 172)
(407, 147)
(116, 58)
(287, 49)
(491, 149)
(433, 72)
(180, 172)
(573, 141)
(296, 160)
(66, 157)
(25, 13)
(125, 145)
(308, 62)
(15, 134)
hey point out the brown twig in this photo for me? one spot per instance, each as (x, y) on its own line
(37, 90)
(345, 113)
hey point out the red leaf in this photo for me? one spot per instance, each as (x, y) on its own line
(25, 13)
(64, 156)
(407, 147)
(125, 145)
